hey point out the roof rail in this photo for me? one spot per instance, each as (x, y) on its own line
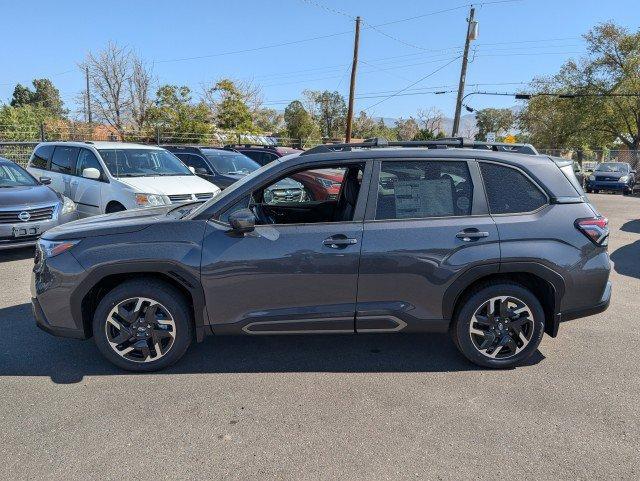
(444, 143)
(251, 146)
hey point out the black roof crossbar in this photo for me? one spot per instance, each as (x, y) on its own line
(453, 142)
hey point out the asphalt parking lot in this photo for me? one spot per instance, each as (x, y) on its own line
(325, 407)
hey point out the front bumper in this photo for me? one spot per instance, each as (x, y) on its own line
(43, 323)
(9, 241)
(607, 185)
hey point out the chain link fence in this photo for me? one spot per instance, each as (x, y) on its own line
(590, 158)
(17, 142)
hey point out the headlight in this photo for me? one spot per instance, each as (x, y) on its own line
(53, 248)
(624, 178)
(591, 177)
(68, 206)
(149, 200)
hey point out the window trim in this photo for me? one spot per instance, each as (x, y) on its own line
(536, 185)
(361, 204)
(479, 210)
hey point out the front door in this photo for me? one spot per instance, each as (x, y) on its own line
(297, 272)
(426, 223)
(87, 193)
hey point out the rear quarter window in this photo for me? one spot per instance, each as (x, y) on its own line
(509, 191)
(41, 157)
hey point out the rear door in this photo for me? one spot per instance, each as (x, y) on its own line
(62, 169)
(87, 193)
(426, 223)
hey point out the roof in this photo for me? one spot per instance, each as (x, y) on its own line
(103, 145)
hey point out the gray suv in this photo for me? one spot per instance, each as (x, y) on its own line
(496, 248)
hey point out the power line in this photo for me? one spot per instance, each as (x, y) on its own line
(412, 84)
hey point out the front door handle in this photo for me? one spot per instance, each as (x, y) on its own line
(339, 241)
(469, 235)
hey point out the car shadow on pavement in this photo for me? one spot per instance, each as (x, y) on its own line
(626, 259)
(632, 226)
(28, 351)
(16, 254)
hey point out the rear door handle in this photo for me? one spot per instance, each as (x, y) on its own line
(339, 241)
(469, 235)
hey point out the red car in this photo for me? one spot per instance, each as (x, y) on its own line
(321, 184)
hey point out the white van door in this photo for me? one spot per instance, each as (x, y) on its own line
(62, 170)
(86, 193)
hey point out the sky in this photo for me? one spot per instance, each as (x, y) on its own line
(407, 47)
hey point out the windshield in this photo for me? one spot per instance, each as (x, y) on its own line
(14, 176)
(230, 162)
(142, 163)
(612, 167)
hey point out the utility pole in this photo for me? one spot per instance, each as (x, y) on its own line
(86, 73)
(352, 86)
(471, 35)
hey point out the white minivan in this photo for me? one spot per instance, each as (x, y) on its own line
(105, 177)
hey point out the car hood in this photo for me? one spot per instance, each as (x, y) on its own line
(170, 184)
(27, 196)
(608, 175)
(107, 224)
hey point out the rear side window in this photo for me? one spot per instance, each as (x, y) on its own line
(64, 159)
(509, 191)
(41, 156)
(409, 190)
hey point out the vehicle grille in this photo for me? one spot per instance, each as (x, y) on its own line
(204, 196)
(180, 197)
(12, 216)
(288, 195)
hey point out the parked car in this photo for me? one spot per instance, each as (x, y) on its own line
(495, 248)
(612, 177)
(263, 154)
(106, 177)
(221, 167)
(28, 207)
(577, 170)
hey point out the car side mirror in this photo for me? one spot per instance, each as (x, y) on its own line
(242, 221)
(91, 173)
(45, 180)
(193, 171)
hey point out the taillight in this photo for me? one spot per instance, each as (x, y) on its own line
(595, 228)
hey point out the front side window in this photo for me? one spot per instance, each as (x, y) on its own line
(64, 159)
(195, 161)
(230, 163)
(142, 163)
(86, 160)
(509, 191)
(41, 156)
(14, 176)
(422, 189)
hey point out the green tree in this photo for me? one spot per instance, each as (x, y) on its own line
(178, 117)
(230, 107)
(329, 110)
(366, 127)
(594, 118)
(23, 122)
(298, 122)
(44, 95)
(498, 121)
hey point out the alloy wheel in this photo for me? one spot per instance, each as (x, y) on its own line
(501, 327)
(140, 329)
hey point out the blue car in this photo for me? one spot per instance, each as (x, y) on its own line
(612, 176)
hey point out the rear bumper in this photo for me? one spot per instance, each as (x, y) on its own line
(43, 323)
(601, 306)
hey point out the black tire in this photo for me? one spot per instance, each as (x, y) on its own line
(596, 191)
(626, 192)
(589, 191)
(170, 300)
(460, 329)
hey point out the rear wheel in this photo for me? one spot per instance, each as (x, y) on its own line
(499, 325)
(142, 325)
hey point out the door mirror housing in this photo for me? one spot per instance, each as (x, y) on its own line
(45, 180)
(242, 221)
(91, 173)
(193, 170)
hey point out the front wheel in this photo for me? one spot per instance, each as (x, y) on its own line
(498, 325)
(143, 325)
